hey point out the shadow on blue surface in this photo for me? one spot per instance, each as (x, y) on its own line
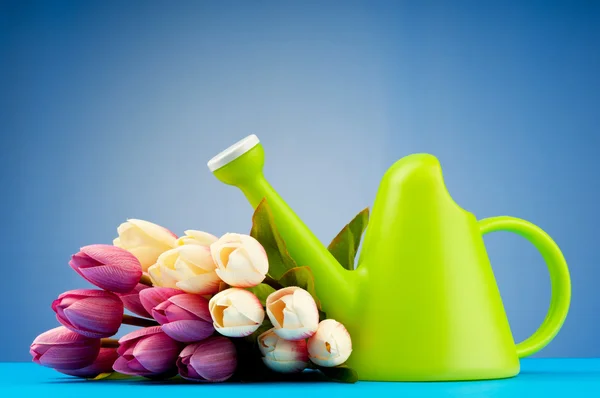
(538, 378)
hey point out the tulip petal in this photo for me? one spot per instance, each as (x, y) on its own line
(306, 310)
(157, 352)
(285, 366)
(155, 231)
(196, 305)
(294, 334)
(107, 254)
(236, 331)
(188, 331)
(217, 360)
(240, 278)
(111, 278)
(206, 283)
(121, 365)
(153, 296)
(197, 237)
(136, 334)
(132, 301)
(102, 364)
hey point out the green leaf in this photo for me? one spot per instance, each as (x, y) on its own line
(112, 376)
(303, 278)
(345, 245)
(262, 291)
(342, 373)
(265, 231)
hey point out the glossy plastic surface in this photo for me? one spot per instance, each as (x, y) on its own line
(423, 304)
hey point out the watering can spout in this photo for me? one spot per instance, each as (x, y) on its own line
(241, 165)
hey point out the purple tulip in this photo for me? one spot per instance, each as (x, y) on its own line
(147, 352)
(152, 297)
(62, 348)
(132, 302)
(91, 313)
(108, 267)
(213, 359)
(102, 364)
(185, 317)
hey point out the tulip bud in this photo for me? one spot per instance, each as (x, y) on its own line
(184, 317)
(293, 312)
(147, 352)
(62, 348)
(331, 345)
(91, 313)
(102, 364)
(236, 312)
(153, 296)
(189, 268)
(108, 267)
(132, 301)
(213, 360)
(145, 240)
(241, 260)
(193, 237)
(283, 356)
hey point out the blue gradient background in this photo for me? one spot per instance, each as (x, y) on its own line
(109, 110)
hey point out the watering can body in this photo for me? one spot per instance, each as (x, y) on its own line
(422, 304)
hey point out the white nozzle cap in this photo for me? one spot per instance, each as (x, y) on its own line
(233, 152)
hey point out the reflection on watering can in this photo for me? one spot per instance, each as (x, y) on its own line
(423, 304)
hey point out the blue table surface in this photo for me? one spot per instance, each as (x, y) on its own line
(538, 378)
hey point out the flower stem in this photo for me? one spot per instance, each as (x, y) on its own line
(135, 321)
(273, 283)
(109, 343)
(145, 280)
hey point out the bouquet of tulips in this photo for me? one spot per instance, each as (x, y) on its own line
(200, 303)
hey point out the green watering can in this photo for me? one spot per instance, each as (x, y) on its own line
(422, 304)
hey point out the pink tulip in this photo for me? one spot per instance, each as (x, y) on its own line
(108, 267)
(147, 352)
(152, 297)
(213, 359)
(91, 313)
(62, 348)
(132, 301)
(185, 317)
(103, 364)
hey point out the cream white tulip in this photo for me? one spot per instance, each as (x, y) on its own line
(236, 312)
(189, 268)
(283, 356)
(193, 237)
(145, 240)
(293, 312)
(241, 260)
(331, 345)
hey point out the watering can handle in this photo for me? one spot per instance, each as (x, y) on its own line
(559, 278)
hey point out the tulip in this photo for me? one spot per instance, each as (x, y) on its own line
(241, 260)
(91, 313)
(153, 296)
(132, 300)
(189, 268)
(108, 267)
(330, 345)
(293, 312)
(283, 356)
(102, 364)
(184, 317)
(145, 240)
(193, 237)
(236, 312)
(147, 352)
(62, 348)
(213, 360)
